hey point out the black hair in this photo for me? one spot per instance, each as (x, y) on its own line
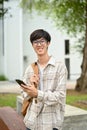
(40, 33)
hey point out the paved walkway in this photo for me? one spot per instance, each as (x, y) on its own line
(13, 87)
(9, 87)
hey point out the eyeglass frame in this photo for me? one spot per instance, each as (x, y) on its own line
(41, 42)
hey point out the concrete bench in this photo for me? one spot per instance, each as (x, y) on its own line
(19, 104)
(10, 120)
(74, 119)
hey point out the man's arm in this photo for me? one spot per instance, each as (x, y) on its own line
(59, 94)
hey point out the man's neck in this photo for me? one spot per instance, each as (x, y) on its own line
(43, 60)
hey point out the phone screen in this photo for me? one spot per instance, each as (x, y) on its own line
(20, 82)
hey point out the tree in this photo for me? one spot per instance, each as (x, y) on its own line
(71, 16)
(2, 9)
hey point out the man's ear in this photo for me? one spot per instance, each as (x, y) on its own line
(48, 43)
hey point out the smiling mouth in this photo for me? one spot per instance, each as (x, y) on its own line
(40, 49)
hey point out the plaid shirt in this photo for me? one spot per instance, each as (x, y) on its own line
(48, 112)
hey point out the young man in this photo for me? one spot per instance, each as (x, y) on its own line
(48, 112)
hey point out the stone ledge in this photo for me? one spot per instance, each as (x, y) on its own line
(71, 110)
(74, 119)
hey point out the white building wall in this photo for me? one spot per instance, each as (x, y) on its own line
(75, 67)
(57, 47)
(18, 49)
(1, 48)
(75, 60)
(13, 41)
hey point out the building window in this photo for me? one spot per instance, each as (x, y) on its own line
(67, 62)
(67, 48)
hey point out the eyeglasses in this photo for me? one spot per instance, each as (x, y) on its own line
(41, 42)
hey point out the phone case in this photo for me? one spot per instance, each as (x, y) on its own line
(20, 82)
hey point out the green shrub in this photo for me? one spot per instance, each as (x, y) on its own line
(3, 78)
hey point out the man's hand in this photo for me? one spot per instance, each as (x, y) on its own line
(34, 79)
(30, 89)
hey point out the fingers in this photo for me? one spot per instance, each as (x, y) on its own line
(34, 79)
(24, 86)
(27, 87)
(31, 90)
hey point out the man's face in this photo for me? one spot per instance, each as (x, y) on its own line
(40, 46)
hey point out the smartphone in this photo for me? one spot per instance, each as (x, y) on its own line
(20, 82)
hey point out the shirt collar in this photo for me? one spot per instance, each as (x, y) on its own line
(51, 61)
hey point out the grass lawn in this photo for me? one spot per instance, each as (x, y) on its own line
(73, 98)
(77, 99)
(8, 100)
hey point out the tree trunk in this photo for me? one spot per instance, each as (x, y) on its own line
(82, 80)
